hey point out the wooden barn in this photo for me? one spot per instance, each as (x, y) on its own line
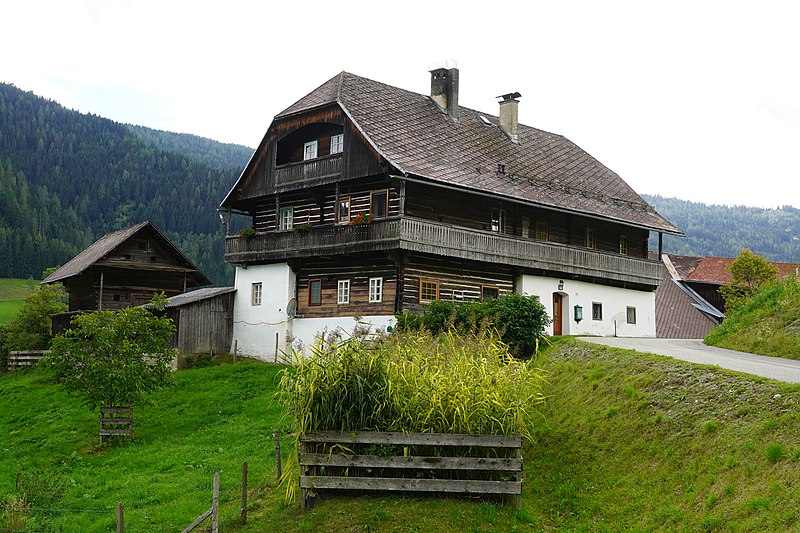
(124, 269)
(203, 320)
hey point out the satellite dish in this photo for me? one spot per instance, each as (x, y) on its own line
(291, 308)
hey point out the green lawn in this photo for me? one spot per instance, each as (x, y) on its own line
(627, 442)
(12, 296)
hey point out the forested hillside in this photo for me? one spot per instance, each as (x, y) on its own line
(66, 178)
(717, 230)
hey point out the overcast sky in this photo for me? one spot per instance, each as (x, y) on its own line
(695, 100)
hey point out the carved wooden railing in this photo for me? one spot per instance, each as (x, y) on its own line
(436, 238)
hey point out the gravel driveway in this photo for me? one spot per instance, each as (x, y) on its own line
(695, 351)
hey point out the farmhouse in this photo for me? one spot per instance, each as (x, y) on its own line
(368, 200)
(124, 269)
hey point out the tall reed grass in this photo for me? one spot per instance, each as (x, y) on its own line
(411, 382)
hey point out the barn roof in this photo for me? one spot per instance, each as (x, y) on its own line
(198, 295)
(420, 141)
(110, 242)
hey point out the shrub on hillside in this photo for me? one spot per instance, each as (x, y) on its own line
(520, 320)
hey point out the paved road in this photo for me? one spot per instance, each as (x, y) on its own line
(695, 351)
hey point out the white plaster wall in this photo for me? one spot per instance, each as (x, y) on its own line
(305, 331)
(615, 302)
(255, 326)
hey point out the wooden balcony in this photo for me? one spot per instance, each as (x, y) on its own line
(308, 173)
(425, 236)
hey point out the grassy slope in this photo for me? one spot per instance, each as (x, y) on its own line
(769, 324)
(12, 296)
(627, 442)
(213, 419)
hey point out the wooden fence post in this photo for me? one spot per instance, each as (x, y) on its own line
(278, 454)
(120, 518)
(244, 493)
(215, 505)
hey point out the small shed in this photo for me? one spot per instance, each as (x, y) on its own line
(203, 320)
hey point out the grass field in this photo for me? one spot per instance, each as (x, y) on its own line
(12, 296)
(626, 442)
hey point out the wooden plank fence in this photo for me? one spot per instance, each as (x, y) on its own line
(115, 421)
(413, 462)
(23, 358)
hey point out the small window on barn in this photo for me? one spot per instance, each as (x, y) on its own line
(255, 294)
(375, 290)
(489, 292)
(597, 311)
(337, 144)
(286, 218)
(315, 292)
(428, 290)
(379, 204)
(309, 150)
(631, 315)
(343, 212)
(623, 244)
(542, 231)
(343, 292)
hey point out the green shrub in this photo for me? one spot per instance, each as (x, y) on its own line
(520, 320)
(774, 453)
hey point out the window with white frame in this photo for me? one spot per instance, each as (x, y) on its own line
(631, 315)
(255, 294)
(375, 290)
(498, 220)
(343, 214)
(337, 143)
(309, 150)
(286, 218)
(343, 292)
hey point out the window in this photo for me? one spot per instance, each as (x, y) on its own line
(623, 244)
(315, 292)
(498, 220)
(255, 294)
(286, 219)
(591, 240)
(526, 225)
(489, 293)
(343, 292)
(309, 150)
(542, 231)
(428, 290)
(631, 313)
(597, 311)
(337, 144)
(343, 213)
(379, 204)
(375, 290)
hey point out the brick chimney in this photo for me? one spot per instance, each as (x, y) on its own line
(444, 90)
(509, 114)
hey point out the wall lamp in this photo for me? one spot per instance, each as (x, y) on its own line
(578, 313)
(561, 284)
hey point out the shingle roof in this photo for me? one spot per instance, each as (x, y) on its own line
(677, 316)
(421, 141)
(105, 245)
(96, 251)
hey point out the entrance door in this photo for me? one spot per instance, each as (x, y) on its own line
(556, 314)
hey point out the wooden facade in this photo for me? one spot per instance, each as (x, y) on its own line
(203, 323)
(438, 221)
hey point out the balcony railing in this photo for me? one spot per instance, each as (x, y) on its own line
(425, 236)
(311, 172)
